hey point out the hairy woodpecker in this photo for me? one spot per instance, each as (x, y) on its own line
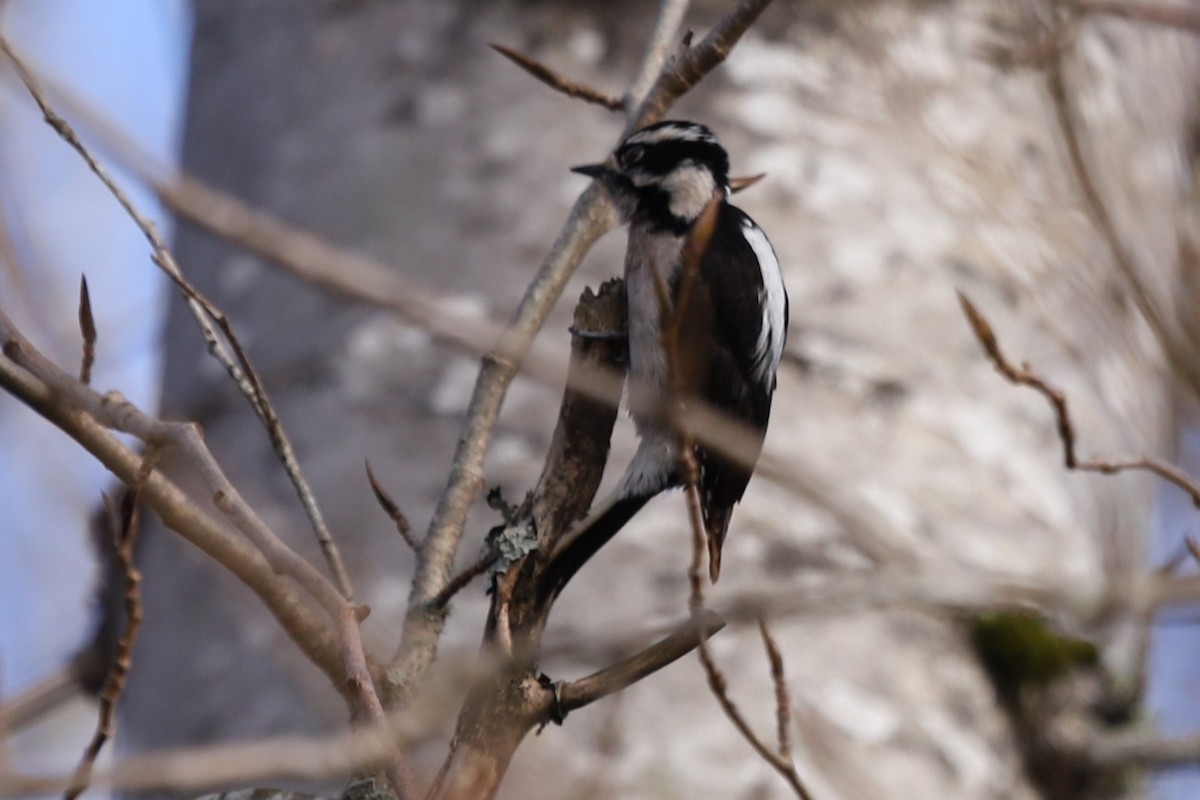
(661, 178)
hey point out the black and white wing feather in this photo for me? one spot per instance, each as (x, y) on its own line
(742, 306)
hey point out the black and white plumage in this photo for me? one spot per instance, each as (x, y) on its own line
(661, 179)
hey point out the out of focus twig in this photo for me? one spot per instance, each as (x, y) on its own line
(589, 219)
(1171, 15)
(628, 671)
(32, 377)
(1180, 353)
(672, 319)
(1024, 375)
(464, 577)
(393, 511)
(783, 702)
(124, 523)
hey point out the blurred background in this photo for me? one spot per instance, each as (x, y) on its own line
(912, 148)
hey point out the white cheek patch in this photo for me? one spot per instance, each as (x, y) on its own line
(768, 350)
(690, 188)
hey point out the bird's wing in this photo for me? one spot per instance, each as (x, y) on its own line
(741, 314)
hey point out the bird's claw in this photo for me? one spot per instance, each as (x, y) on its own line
(557, 715)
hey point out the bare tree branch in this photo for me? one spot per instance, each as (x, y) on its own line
(197, 769)
(1142, 748)
(124, 524)
(463, 578)
(671, 323)
(505, 705)
(783, 702)
(1171, 15)
(206, 313)
(626, 672)
(1025, 376)
(1180, 353)
(28, 705)
(62, 392)
(557, 82)
(393, 511)
(658, 49)
(690, 64)
(180, 514)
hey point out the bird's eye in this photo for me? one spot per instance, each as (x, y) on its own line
(633, 155)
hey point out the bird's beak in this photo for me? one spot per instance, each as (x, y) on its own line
(592, 170)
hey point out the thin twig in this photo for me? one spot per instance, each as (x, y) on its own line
(692, 62)
(1180, 354)
(87, 329)
(124, 521)
(393, 511)
(1141, 746)
(116, 413)
(662, 40)
(180, 514)
(717, 683)
(1172, 15)
(1193, 547)
(1024, 375)
(189, 771)
(464, 577)
(628, 671)
(783, 702)
(558, 82)
(206, 313)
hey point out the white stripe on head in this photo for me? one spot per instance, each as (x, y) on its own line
(674, 132)
(768, 350)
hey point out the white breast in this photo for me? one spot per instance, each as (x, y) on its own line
(647, 361)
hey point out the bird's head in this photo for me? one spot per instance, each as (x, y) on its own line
(664, 175)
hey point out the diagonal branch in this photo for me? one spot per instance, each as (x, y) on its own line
(1171, 15)
(393, 511)
(658, 50)
(628, 671)
(690, 64)
(87, 329)
(124, 522)
(1179, 354)
(694, 247)
(557, 82)
(64, 393)
(180, 514)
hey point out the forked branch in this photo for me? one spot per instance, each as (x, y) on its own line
(1024, 375)
(224, 346)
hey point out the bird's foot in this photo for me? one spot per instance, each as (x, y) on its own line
(557, 714)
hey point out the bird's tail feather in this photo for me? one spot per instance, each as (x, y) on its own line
(588, 535)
